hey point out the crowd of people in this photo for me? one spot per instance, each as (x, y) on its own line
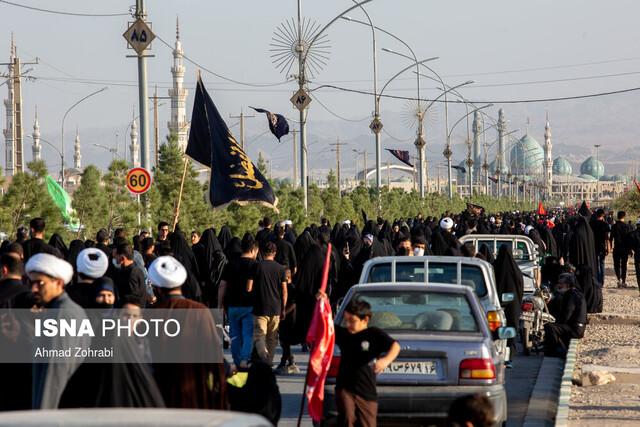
(267, 282)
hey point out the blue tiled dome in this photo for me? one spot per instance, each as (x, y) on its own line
(561, 166)
(526, 157)
(592, 167)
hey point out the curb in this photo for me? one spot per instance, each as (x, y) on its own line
(564, 398)
(544, 396)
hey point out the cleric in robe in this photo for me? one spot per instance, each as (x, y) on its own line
(186, 385)
(47, 277)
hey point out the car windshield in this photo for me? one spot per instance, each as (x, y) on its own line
(420, 311)
(439, 272)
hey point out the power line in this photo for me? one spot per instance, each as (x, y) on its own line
(315, 98)
(220, 76)
(521, 101)
(59, 12)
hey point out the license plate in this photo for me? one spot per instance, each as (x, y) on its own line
(427, 367)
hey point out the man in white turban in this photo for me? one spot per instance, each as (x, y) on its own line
(47, 277)
(186, 385)
(91, 264)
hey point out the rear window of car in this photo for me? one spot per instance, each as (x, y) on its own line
(421, 311)
(438, 273)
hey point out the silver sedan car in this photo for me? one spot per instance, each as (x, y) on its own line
(447, 351)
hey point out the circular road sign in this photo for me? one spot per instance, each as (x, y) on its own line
(138, 180)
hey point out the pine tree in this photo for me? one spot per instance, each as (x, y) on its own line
(27, 197)
(122, 207)
(262, 164)
(195, 213)
(89, 201)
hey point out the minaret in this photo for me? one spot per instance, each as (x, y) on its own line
(477, 131)
(134, 147)
(548, 163)
(178, 124)
(9, 131)
(77, 157)
(36, 147)
(501, 161)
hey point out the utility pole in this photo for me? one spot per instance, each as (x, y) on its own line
(156, 129)
(294, 133)
(14, 82)
(242, 116)
(338, 144)
(365, 168)
(142, 94)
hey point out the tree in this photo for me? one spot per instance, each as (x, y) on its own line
(262, 164)
(27, 197)
(195, 212)
(122, 208)
(89, 201)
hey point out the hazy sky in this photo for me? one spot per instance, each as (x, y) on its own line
(482, 41)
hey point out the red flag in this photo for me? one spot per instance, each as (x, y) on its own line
(321, 336)
(541, 210)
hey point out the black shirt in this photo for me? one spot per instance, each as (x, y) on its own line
(15, 294)
(267, 288)
(236, 274)
(286, 255)
(618, 230)
(600, 235)
(83, 294)
(36, 246)
(358, 350)
(130, 281)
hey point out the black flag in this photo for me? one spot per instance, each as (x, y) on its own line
(401, 155)
(277, 123)
(493, 179)
(460, 168)
(234, 178)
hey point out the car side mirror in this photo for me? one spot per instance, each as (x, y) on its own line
(505, 333)
(507, 297)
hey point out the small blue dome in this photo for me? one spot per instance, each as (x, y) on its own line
(561, 166)
(592, 167)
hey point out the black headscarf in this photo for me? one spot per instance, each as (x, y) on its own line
(211, 261)
(587, 284)
(57, 242)
(509, 280)
(183, 253)
(225, 236)
(233, 249)
(74, 249)
(307, 283)
(302, 246)
(582, 249)
(486, 252)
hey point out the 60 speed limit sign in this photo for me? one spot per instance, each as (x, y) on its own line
(138, 180)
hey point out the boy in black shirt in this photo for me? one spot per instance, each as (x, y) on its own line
(360, 345)
(268, 287)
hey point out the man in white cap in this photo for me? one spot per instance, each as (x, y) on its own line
(446, 227)
(91, 264)
(186, 385)
(48, 275)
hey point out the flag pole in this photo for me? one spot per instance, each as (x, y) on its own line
(177, 212)
(323, 288)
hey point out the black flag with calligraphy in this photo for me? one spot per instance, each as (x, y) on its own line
(402, 155)
(234, 178)
(278, 124)
(459, 168)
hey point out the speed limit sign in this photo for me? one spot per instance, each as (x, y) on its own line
(138, 180)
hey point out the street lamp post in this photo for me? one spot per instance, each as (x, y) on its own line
(113, 151)
(597, 171)
(63, 120)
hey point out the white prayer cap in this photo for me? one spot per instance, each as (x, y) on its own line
(92, 262)
(528, 229)
(346, 221)
(492, 220)
(167, 272)
(368, 237)
(446, 223)
(50, 265)
(288, 222)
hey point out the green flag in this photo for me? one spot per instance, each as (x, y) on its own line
(62, 199)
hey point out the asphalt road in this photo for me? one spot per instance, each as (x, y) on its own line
(519, 384)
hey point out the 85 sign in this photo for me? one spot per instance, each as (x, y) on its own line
(138, 180)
